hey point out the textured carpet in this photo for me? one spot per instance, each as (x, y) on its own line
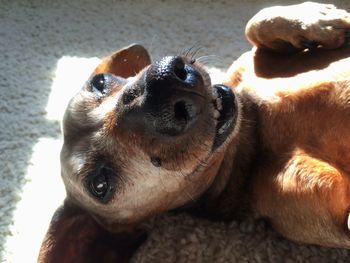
(46, 52)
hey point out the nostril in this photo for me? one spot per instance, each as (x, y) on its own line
(182, 111)
(180, 70)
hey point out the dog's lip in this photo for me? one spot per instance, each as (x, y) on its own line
(225, 112)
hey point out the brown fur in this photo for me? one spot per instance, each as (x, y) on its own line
(301, 183)
(286, 158)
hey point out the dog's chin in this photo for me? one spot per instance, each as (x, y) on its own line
(226, 113)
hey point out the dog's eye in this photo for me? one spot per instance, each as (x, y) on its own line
(100, 184)
(100, 83)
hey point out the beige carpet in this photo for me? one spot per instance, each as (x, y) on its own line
(46, 52)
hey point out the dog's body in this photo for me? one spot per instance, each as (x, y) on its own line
(302, 145)
(274, 145)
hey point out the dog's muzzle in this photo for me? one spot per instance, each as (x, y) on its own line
(166, 100)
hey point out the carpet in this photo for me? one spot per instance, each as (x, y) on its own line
(47, 50)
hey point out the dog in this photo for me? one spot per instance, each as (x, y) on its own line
(142, 138)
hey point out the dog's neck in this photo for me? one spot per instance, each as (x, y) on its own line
(228, 196)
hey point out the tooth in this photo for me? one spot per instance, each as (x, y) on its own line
(348, 221)
(214, 95)
(219, 104)
(216, 114)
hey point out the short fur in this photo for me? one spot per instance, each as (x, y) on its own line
(285, 158)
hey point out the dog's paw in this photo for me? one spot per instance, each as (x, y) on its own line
(297, 27)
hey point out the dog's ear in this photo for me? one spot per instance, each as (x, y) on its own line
(74, 236)
(126, 62)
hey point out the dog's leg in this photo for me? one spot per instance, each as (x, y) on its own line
(74, 236)
(304, 185)
(297, 27)
(307, 202)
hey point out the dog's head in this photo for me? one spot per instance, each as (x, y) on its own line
(141, 138)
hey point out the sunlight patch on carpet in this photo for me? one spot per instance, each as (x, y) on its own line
(43, 190)
(70, 76)
(41, 194)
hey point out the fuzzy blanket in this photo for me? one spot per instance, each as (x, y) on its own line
(47, 50)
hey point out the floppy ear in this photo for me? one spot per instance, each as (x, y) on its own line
(126, 62)
(74, 236)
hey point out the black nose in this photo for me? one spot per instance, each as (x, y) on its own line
(170, 69)
(171, 100)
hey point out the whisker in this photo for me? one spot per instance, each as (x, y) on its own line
(194, 53)
(190, 196)
(188, 51)
(202, 59)
(185, 177)
(152, 42)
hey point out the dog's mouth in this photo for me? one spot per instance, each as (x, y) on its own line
(225, 111)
